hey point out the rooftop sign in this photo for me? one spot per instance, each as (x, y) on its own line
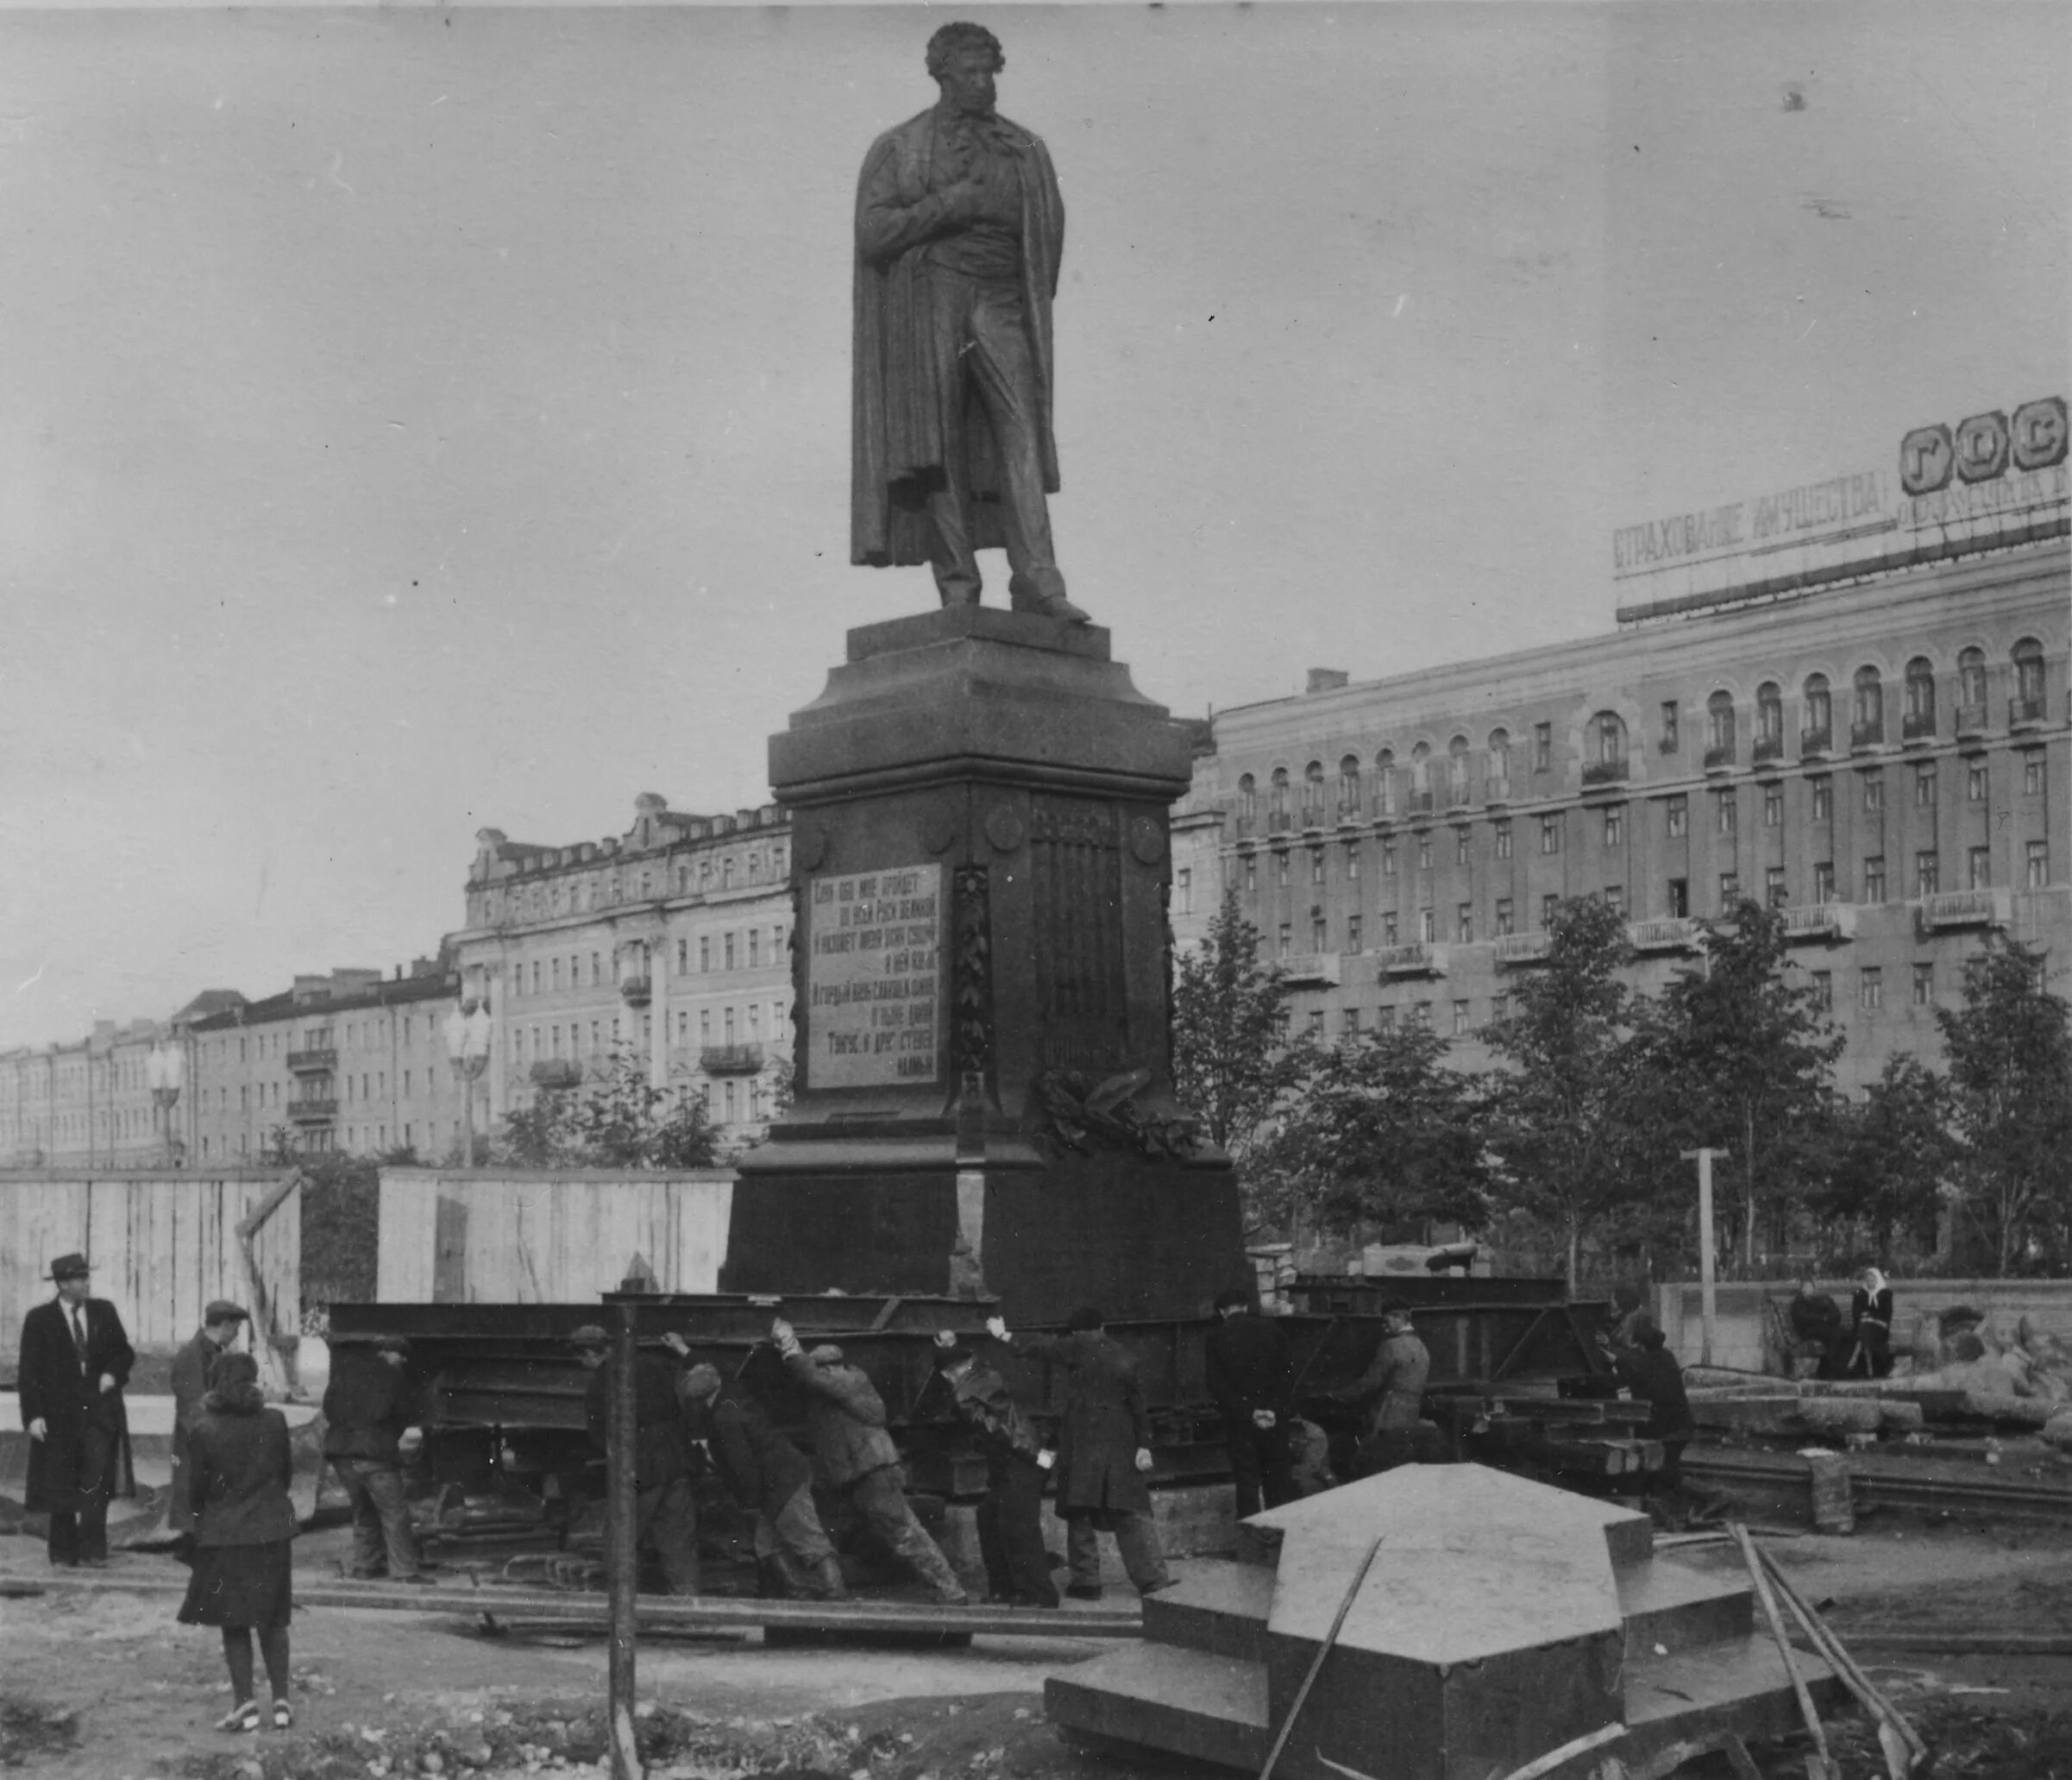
(1990, 475)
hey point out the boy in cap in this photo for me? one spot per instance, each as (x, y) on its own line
(847, 1416)
(1249, 1377)
(666, 1514)
(367, 1408)
(1103, 1454)
(769, 1477)
(75, 1360)
(1010, 1519)
(217, 1335)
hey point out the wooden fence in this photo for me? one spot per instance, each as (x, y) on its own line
(454, 1236)
(161, 1246)
(1738, 1333)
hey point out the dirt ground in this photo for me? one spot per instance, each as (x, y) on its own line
(108, 1686)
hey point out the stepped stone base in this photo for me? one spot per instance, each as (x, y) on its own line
(1499, 1619)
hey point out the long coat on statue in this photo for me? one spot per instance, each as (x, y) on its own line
(56, 1389)
(898, 384)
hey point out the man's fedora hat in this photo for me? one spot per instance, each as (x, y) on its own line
(70, 1267)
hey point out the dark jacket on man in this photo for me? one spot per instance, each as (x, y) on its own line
(367, 1406)
(847, 1416)
(659, 1454)
(190, 1385)
(994, 1419)
(67, 1395)
(1249, 1367)
(1106, 1421)
(243, 1472)
(760, 1468)
(1654, 1376)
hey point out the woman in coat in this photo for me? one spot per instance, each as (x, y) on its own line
(1870, 1311)
(240, 1469)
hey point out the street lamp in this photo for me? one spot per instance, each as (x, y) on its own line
(166, 1071)
(467, 1034)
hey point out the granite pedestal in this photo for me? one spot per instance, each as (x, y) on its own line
(983, 1086)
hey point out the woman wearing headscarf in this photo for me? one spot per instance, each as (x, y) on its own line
(1870, 1314)
(240, 1468)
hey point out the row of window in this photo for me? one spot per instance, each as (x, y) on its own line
(1826, 888)
(1676, 815)
(1607, 738)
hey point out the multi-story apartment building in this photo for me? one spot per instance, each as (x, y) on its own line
(672, 938)
(350, 1061)
(1875, 743)
(84, 1105)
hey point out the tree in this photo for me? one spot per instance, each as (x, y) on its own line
(2010, 1055)
(1892, 1156)
(1383, 1131)
(1232, 1059)
(1561, 1117)
(617, 1118)
(1739, 1057)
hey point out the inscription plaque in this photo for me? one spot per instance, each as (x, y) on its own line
(873, 1001)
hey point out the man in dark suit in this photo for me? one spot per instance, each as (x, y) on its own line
(75, 1361)
(1249, 1376)
(1103, 1453)
(216, 1336)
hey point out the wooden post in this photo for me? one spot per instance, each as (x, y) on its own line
(622, 1544)
(1707, 1269)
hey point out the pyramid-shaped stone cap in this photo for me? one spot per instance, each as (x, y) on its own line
(1473, 1562)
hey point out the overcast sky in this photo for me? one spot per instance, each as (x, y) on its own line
(416, 421)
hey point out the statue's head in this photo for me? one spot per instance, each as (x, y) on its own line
(963, 59)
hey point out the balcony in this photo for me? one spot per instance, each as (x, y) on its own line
(1514, 950)
(1604, 772)
(1918, 727)
(1720, 757)
(310, 1110)
(2025, 713)
(1423, 958)
(637, 991)
(310, 1061)
(1971, 718)
(1672, 933)
(1815, 742)
(731, 1059)
(1989, 906)
(1806, 922)
(556, 1072)
(1496, 790)
(1767, 749)
(1867, 735)
(1310, 969)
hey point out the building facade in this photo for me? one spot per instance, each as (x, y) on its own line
(672, 939)
(1883, 754)
(352, 1062)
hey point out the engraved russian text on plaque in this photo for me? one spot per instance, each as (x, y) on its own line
(873, 1002)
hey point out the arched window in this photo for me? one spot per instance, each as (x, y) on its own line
(1248, 804)
(1769, 717)
(1385, 783)
(1971, 678)
(1819, 714)
(1348, 785)
(1719, 727)
(1920, 697)
(1277, 799)
(1497, 775)
(2028, 679)
(1867, 724)
(1456, 771)
(1313, 795)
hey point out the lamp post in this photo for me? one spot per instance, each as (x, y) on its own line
(166, 1072)
(467, 1034)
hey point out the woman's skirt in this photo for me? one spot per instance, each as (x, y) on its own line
(240, 1585)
